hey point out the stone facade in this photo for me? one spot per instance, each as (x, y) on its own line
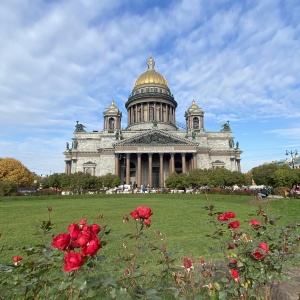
(154, 144)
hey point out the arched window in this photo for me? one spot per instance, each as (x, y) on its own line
(111, 126)
(195, 123)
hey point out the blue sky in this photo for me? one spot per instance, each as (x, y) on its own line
(64, 61)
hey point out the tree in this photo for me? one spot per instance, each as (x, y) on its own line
(238, 178)
(12, 170)
(110, 180)
(177, 181)
(220, 177)
(285, 177)
(249, 178)
(264, 174)
(199, 177)
(8, 188)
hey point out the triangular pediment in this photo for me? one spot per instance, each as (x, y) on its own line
(155, 137)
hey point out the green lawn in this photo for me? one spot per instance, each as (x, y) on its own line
(180, 217)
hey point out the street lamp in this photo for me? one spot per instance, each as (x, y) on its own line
(294, 154)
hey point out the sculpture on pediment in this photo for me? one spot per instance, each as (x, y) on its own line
(67, 146)
(154, 139)
(231, 143)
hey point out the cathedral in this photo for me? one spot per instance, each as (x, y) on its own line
(153, 145)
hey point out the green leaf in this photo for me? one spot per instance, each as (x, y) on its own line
(222, 295)
(63, 285)
(217, 286)
(79, 284)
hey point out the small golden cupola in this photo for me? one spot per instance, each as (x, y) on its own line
(112, 118)
(194, 117)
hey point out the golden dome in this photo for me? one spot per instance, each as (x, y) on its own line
(194, 105)
(112, 106)
(151, 76)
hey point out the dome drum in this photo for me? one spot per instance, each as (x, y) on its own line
(146, 97)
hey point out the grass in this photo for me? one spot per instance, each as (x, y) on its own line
(180, 217)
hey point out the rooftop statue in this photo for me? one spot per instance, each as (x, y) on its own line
(226, 127)
(79, 127)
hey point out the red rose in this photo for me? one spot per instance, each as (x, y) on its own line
(74, 231)
(254, 222)
(17, 259)
(144, 212)
(95, 228)
(231, 245)
(258, 255)
(134, 214)
(127, 272)
(187, 263)
(148, 222)
(202, 261)
(73, 260)
(84, 237)
(85, 227)
(92, 247)
(234, 224)
(261, 251)
(235, 275)
(263, 246)
(82, 221)
(61, 241)
(222, 218)
(229, 215)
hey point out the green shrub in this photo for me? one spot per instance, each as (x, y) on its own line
(8, 188)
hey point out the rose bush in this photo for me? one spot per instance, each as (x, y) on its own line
(251, 255)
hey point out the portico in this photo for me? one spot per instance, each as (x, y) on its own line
(152, 167)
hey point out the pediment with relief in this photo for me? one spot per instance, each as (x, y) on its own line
(155, 137)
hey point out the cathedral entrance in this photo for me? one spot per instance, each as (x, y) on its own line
(155, 177)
